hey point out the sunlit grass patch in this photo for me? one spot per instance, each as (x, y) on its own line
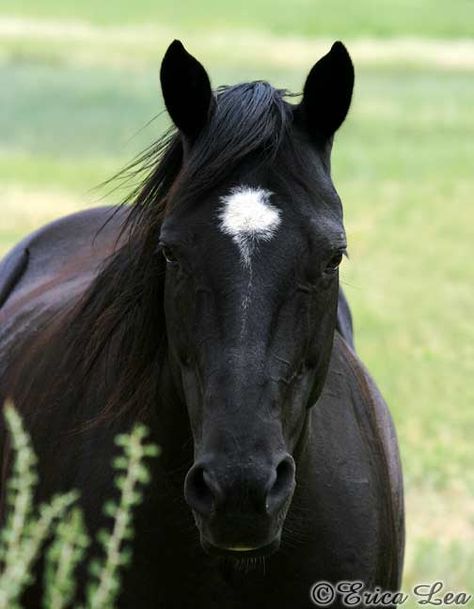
(24, 211)
(440, 538)
(139, 46)
(385, 18)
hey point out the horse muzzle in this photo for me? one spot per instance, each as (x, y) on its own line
(240, 508)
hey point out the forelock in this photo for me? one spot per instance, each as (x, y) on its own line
(247, 118)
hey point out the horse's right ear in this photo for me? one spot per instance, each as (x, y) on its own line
(186, 90)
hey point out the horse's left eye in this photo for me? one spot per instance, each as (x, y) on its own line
(169, 255)
(334, 263)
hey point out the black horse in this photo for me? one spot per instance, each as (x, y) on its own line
(210, 308)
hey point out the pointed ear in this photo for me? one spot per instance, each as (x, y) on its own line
(186, 90)
(327, 94)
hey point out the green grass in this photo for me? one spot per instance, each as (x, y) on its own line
(434, 18)
(403, 167)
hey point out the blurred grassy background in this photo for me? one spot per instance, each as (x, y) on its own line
(80, 80)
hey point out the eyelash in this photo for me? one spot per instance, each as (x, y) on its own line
(335, 261)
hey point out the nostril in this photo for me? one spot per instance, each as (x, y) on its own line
(285, 473)
(283, 485)
(199, 490)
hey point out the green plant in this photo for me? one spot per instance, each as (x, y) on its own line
(64, 554)
(27, 528)
(105, 571)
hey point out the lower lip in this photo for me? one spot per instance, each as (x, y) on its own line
(241, 552)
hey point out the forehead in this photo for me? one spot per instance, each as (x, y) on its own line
(253, 211)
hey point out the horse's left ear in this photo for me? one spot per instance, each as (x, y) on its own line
(186, 90)
(327, 94)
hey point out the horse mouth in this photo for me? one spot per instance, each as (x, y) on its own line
(240, 552)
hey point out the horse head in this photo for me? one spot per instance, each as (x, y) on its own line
(252, 237)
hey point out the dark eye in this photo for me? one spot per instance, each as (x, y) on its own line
(334, 262)
(169, 255)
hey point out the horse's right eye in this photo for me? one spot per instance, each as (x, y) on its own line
(169, 255)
